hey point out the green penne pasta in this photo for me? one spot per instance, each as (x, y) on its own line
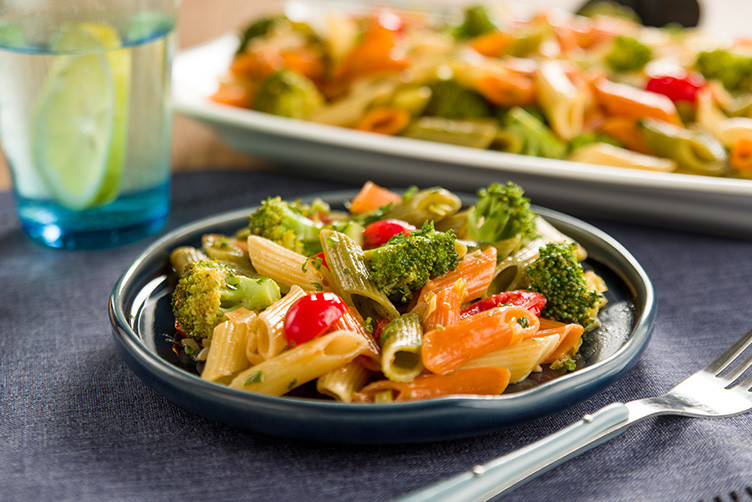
(183, 256)
(433, 204)
(350, 278)
(225, 250)
(472, 133)
(691, 150)
(400, 348)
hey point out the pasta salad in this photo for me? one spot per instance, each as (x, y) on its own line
(402, 296)
(597, 87)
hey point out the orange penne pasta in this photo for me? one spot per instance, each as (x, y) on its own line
(352, 321)
(384, 120)
(510, 90)
(741, 156)
(626, 101)
(371, 196)
(627, 132)
(446, 306)
(491, 44)
(476, 269)
(233, 95)
(570, 336)
(445, 349)
(471, 381)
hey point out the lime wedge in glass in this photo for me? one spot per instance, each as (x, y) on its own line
(81, 117)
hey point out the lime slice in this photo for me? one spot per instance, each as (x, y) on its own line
(81, 117)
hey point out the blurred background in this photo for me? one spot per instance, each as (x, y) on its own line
(196, 147)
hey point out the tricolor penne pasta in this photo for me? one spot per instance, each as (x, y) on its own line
(543, 84)
(377, 309)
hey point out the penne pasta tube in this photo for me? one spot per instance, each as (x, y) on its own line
(472, 381)
(348, 110)
(183, 256)
(283, 265)
(371, 197)
(227, 351)
(444, 350)
(299, 365)
(350, 276)
(343, 382)
(477, 269)
(520, 359)
(610, 155)
(351, 321)
(270, 328)
(728, 130)
(445, 308)
(400, 348)
(563, 103)
(433, 204)
(570, 338)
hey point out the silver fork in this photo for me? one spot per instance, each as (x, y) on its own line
(715, 391)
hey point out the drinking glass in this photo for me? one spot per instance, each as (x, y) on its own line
(85, 117)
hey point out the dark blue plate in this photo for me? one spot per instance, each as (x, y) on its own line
(143, 327)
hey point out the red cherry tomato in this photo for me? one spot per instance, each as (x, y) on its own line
(322, 257)
(378, 233)
(680, 86)
(311, 316)
(529, 300)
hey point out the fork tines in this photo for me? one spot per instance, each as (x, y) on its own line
(730, 363)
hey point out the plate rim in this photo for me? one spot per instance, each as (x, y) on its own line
(135, 351)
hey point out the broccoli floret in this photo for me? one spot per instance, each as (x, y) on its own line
(288, 94)
(451, 100)
(538, 139)
(628, 54)
(733, 69)
(476, 21)
(208, 289)
(405, 263)
(501, 213)
(286, 224)
(558, 275)
(256, 29)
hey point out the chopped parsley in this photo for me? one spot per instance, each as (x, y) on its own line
(257, 377)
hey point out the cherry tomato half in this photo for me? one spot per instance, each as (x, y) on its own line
(378, 233)
(311, 316)
(530, 300)
(682, 86)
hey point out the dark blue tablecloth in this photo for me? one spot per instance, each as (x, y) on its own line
(76, 424)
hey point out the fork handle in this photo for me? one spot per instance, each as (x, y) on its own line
(483, 482)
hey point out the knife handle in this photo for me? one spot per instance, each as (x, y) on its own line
(483, 482)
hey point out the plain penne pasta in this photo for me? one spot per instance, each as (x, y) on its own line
(269, 330)
(562, 102)
(227, 352)
(283, 265)
(520, 359)
(610, 155)
(343, 382)
(301, 364)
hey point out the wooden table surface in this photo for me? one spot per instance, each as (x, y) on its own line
(194, 146)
